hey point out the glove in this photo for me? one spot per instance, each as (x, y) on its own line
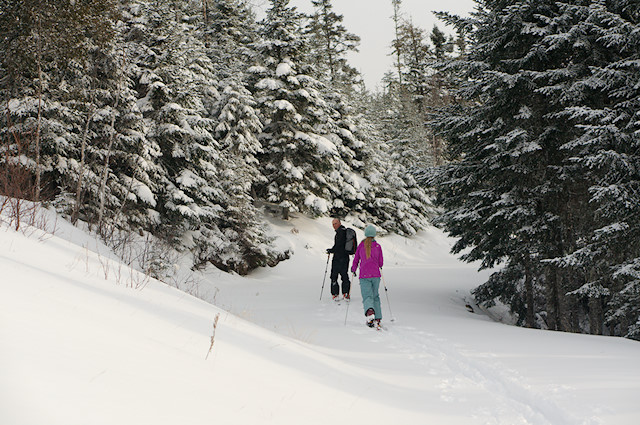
(328, 250)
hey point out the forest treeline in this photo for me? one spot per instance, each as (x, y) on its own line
(182, 118)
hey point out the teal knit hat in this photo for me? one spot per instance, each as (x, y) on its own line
(369, 232)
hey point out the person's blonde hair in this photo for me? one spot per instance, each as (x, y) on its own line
(367, 245)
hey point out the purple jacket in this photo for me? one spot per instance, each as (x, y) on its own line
(369, 267)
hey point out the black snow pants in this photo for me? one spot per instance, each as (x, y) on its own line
(340, 266)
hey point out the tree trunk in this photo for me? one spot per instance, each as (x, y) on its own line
(552, 307)
(36, 194)
(76, 208)
(396, 21)
(105, 170)
(205, 11)
(528, 288)
(595, 315)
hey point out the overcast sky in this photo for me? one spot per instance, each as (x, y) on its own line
(371, 20)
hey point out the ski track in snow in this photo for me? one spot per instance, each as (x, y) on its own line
(429, 355)
(514, 401)
(533, 407)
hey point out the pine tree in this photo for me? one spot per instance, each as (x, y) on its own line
(174, 79)
(204, 184)
(441, 83)
(543, 177)
(603, 101)
(41, 40)
(237, 130)
(397, 47)
(229, 31)
(410, 99)
(238, 127)
(406, 105)
(89, 146)
(114, 180)
(296, 161)
(504, 192)
(387, 195)
(167, 80)
(329, 43)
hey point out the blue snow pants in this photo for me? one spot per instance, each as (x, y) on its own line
(370, 296)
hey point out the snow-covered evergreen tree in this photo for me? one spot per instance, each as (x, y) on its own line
(229, 32)
(238, 127)
(329, 43)
(237, 130)
(505, 191)
(602, 39)
(543, 176)
(398, 204)
(78, 111)
(113, 173)
(407, 102)
(172, 76)
(198, 201)
(297, 162)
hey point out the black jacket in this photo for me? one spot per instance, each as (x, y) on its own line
(339, 242)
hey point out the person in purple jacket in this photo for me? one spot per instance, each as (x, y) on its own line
(369, 257)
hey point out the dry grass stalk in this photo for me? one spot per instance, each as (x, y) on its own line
(213, 336)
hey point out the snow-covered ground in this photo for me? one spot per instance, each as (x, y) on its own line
(85, 340)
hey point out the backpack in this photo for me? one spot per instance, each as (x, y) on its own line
(351, 241)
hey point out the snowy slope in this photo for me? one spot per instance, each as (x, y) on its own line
(85, 340)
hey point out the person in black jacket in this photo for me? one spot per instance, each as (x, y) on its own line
(340, 263)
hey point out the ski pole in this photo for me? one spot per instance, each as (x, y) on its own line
(387, 294)
(348, 302)
(347, 313)
(325, 275)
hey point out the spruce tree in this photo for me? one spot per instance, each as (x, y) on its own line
(410, 100)
(166, 78)
(601, 39)
(237, 130)
(329, 44)
(504, 191)
(229, 31)
(544, 176)
(69, 96)
(198, 197)
(38, 40)
(297, 162)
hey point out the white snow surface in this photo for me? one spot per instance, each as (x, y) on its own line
(85, 340)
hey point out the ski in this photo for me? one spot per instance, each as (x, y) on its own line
(339, 300)
(376, 325)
